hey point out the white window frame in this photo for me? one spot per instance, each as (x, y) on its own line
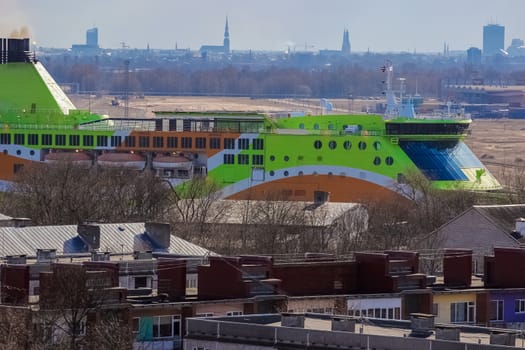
(521, 306)
(500, 309)
(468, 307)
(175, 322)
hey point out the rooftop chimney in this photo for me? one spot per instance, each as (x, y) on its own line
(100, 256)
(46, 255)
(16, 259)
(321, 197)
(421, 325)
(143, 255)
(159, 233)
(90, 234)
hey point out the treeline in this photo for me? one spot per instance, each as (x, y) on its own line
(341, 81)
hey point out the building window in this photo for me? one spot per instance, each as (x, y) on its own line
(519, 305)
(243, 159)
(435, 309)
(142, 282)
(206, 314)
(116, 141)
(258, 144)
(5, 139)
(229, 143)
(144, 141)
(462, 312)
(185, 142)
(172, 142)
(19, 139)
(257, 159)
(32, 139)
(47, 140)
(229, 159)
(102, 141)
(136, 325)
(158, 142)
(74, 140)
(87, 140)
(496, 310)
(129, 141)
(243, 143)
(234, 313)
(166, 326)
(215, 143)
(60, 140)
(318, 144)
(200, 142)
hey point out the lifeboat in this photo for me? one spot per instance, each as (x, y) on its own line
(78, 158)
(171, 162)
(125, 160)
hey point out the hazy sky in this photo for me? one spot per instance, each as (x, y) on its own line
(378, 25)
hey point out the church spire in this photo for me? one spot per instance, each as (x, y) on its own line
(226, 42)
(345, 49)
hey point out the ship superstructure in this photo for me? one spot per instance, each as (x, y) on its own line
(352, 157)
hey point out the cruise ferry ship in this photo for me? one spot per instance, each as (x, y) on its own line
(256, 156)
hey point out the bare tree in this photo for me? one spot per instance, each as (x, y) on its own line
(70, 299)
(66, 193)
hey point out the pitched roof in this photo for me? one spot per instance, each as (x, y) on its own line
(124, 238)
(504, 216)
(275, 212)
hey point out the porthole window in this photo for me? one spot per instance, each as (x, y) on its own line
(330, 126)
(18, 152)
(347, 145)
(316, 126)
(330, 173)
(300, 173)
(332, 144)
(320, 158)
(377, 161)
(377, 145)
(5, 151)
(272, 158)
(286, 173)
(389, 160)
(286, 158)
(362, 145)
(318, 144)
(272, 173)
(32, 152)
(314, 173)
(301, 126)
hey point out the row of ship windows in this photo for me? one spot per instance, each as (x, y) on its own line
(130, 141)
(244, 159)
(377, 160)
(347, 145)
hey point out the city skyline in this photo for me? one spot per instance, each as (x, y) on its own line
(376, 25)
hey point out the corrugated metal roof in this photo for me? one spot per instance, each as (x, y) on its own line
(121, 238)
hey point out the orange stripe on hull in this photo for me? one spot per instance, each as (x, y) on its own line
(10, 164)
(301, 188)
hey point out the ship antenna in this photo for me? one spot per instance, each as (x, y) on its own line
(391, 103)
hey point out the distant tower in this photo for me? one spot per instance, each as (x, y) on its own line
(226, 42)
(493, 39)
(474, 56)
(92, 37)
(346, 43)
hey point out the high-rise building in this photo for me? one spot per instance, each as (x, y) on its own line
(226, 42)
(92, 37)
(346, 42)
(493, 39)
(474, 56)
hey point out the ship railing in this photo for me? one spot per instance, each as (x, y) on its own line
(22, 126)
